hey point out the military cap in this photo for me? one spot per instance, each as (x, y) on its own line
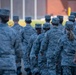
(46, 25)
(55, 20)
(47, 17)
(15, 18)
(69, 25)
(71, 18)
(60, 17)
(4, 12)
(73, 13)
(27, 18)
(37, 25)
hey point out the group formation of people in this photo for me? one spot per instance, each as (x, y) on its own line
(48, 49)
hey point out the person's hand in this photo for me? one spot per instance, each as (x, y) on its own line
(41, 53)
(36, 57)
(74, 60)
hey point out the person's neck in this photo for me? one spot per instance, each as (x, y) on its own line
(47, 22)
(15, 22)
(38, 33)
(3, 22)
(27, 24)
(55, 25)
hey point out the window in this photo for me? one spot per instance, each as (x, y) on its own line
(18, 8)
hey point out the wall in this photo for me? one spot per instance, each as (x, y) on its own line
(72, 5)
(41, 8)
(17, 8)
(56, 7)
(29, 8)
(4, 4)
(0, 3)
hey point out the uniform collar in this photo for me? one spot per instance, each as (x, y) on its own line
(55, 27)
(3, 24)
(28, 25)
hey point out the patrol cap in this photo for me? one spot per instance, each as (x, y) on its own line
(55, 21)
(71, 18)
(37, 25)
(73, 13)
(4, 12)
(60, 17)
(15, 18)
(47, 17)
(46, 25)
(27, 18)
(69, 25)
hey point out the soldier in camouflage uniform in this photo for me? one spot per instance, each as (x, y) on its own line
(33, 38)
(36, 48)
(16, 25)
(72, 19)
(50, 43)
(26, 33)
(67, 45)
(41, 59)
(9, 46)
(42, 62)
(33, 60)
(47, 18)
(61, 27)
(17, 29)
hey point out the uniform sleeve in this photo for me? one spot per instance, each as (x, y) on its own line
(16, 44)
(29, 46)
(22, 34)
(23, 40)
(60, 49)
(75, 52)
(44, 44)
(37, 46)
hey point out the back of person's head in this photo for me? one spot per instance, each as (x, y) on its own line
(71, 18)
(73, 13)
(47, 18)
(4, 15)
(69, 29)
(69, 25)
(46, 26)
(60, 19)
(38, 28)
(28, 20)
(55, 21)
(15, 18)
